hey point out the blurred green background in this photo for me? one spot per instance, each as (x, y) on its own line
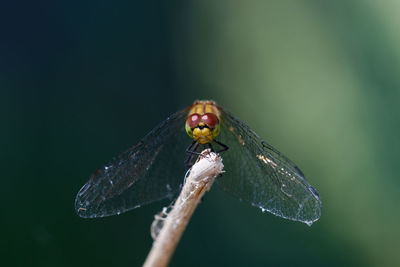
(81, 81)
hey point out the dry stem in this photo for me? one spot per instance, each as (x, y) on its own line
(198, 182)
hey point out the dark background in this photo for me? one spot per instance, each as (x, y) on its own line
(81, 81)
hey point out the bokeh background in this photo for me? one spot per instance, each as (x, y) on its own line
(81, 81)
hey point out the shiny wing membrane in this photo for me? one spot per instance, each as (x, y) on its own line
(131, 179)
(259, 174)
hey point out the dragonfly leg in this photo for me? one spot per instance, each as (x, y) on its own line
(191, 150)
(211, 147)
(224, 147)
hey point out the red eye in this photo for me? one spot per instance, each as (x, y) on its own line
(193, 120)
(210, 119)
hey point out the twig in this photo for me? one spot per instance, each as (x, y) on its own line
(199, 181)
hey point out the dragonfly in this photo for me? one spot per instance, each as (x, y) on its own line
(154, 168)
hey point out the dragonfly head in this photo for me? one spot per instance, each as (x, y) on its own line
(202, 128)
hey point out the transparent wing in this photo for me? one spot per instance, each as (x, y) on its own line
(131, 179)
(259, 174)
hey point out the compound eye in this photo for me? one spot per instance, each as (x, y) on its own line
(210, 119)
(193, 120)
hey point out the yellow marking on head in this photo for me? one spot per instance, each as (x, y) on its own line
(202, 136)
(216, 130)
(189, 130)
